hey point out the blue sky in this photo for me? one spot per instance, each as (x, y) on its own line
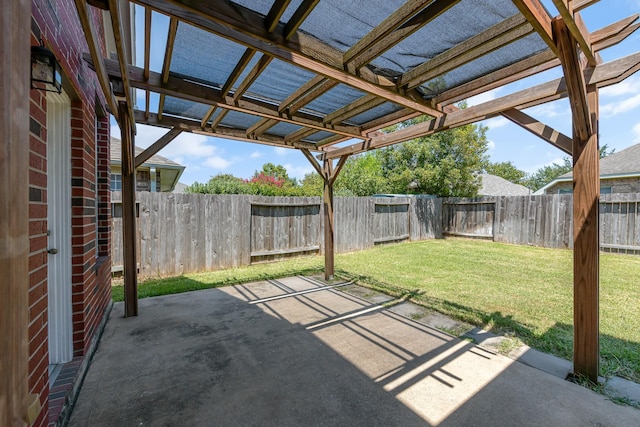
(205, 157)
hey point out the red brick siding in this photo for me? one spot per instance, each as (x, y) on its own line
(56, 23)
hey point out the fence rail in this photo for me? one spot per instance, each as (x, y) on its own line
(182, 233)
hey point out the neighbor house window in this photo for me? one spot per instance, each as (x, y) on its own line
(565, 191)
(116, 182)
(605, 190)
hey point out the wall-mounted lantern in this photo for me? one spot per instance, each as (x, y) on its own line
(45, 69)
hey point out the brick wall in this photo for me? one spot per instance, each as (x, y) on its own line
(56, 23)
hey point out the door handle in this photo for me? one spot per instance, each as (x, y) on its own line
(52, 251)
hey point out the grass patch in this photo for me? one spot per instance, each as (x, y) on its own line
(192, 282)
(522, 291)
(519, 291)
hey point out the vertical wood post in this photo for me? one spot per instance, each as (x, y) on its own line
(14, 210)
(128, 214)
(586, 195)
(327, 198)
(586, 249)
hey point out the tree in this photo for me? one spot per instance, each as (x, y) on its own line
(546, 174)
(276, 171)
(506, 170)
(362, 175)
(219, 184)
(445, 164)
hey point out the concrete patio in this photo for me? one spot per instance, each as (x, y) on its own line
(295, 352)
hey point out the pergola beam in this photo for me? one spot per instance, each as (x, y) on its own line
(179, 88)
(123, 55)
(583, 99)
(577, 28)
(96, 56)
(603, 38)
(171, 38)
(247, 27)
(406, 20)
(129, 214)
(599, 76)
(193, 126)
(547, 133)
(154, 148)
(539, 18)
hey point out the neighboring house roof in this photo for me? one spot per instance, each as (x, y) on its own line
(171, 171)
(492, 185)
(625, 163)
(179, 188)
(155, 160)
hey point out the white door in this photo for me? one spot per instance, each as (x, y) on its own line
(59, 225)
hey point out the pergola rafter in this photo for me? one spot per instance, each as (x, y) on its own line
(348, 83)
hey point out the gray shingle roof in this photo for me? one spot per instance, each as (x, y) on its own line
(622, 162)
(116, 156)
(496, 186)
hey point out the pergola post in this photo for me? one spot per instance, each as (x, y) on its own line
(586, 201)
(129, 213)
(14, 212)
(327, 200)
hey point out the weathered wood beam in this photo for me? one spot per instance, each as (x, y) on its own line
(298, 17)
(329, 223)
(583, 99)
(255, 72)
(539, 18)
(599, 76)
(306, 88)
(171, 39)
(578, 5)
(261, 127)
(129, 214)
(207, 116)
(497, 36)
(311, 94)
(123, 54)
(601, 39)
(275, 13)
(406, 20)
(15, 69)
(586, 248)
(300, 134)
(389, 120)
(96, 54)
(313, 161)
(358, 106)
(237, 70)
(336, 171)
(331, 140)
(577, 28)
(247, 27)
(216, 122)
(154, 148)
(575, 81)
(147, 55)
(184, 89)
(193, 126)
(552, 136)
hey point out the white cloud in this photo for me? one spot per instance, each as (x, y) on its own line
(496, 122)
(626, 87)
(255, 155)
(483, 97)
(532, 169)
(491, 145)
(298, 172)
(217, 162)
(281, 151)
(549, 110)
(618, 107)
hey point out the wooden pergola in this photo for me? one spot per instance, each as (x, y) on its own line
(318, 75)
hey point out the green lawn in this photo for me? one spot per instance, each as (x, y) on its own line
(519, 290)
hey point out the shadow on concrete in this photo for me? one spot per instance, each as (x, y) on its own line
(287, 353)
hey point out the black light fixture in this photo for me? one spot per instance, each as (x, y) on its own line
(45, 69)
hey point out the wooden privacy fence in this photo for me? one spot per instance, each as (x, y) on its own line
(184, 233)
(545, 220)
(181, 233)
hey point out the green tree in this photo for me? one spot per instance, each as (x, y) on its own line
(506, 170)
(445, 164)
(312, 184)
(219, 184)
(362, 175)
(546, 174)
(276, 171)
